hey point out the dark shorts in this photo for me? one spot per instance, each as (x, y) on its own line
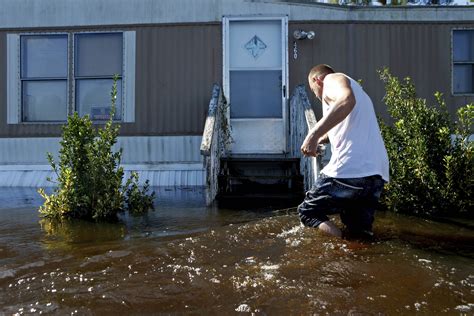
(355, 199)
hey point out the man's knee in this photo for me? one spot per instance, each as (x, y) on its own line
(310, 216)
(310, 221)
(358, 220)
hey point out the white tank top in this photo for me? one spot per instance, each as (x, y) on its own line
(356, 143)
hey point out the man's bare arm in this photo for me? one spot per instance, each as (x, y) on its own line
(339, 96)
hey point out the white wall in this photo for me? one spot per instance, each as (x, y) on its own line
(164, 160)
(65, 13)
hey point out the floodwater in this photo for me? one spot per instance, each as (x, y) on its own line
(185, 258)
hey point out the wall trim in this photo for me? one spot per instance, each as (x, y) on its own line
(129, 41)
(13, 77)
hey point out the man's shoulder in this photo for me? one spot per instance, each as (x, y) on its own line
(337, 76)
(337, 80)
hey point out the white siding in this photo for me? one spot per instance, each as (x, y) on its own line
(165, 161)
(61, 13)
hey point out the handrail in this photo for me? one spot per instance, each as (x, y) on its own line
(209, 127)
(215, 138)
(303, 118)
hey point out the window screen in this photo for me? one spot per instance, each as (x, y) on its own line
(98, 57)
(43, 76)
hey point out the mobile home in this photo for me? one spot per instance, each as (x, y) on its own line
(59, 56)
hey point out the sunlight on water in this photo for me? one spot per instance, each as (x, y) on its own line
(185, 258)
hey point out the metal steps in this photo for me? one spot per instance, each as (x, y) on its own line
(260, 179)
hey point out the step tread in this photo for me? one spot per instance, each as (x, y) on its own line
(261, 177)
(260, 196)
(259, 159)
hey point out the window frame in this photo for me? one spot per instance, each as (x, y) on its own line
(453, 63)
(74, 78)
(21, 80)
(14, 81)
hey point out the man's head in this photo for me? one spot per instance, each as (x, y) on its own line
(316, 77)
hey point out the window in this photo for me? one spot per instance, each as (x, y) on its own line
(43, 76)
(97, 58)
(463, 61)
(51, 75)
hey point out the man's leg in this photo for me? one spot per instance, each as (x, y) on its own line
(354, 198)
(317, 204)
(359, 217)
(358, 221)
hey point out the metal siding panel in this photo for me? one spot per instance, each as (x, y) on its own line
(136, 150)
(61, 13)
(424, 54)
(16, 179)
(176, 177)
(419, 50)
(160, 149)
(29, 177)
(369, 58)
(166, 178)
(161, 178)
(169, 178)
(176, 67)
(330, 46)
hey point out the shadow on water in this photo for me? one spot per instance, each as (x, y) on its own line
(186, 258)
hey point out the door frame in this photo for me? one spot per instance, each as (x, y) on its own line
(284, 55)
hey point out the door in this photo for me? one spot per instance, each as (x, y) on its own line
(255, 83)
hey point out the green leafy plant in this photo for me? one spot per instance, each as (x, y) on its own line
(431, 158)
(137, 199)
(89, 175)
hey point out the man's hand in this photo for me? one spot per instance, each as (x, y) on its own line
(310, 146)
(324, 139)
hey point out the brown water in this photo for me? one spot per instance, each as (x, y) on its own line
(188, 259)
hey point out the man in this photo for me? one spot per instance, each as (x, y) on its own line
(351, 183)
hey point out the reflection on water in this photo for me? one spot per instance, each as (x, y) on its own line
(185, 258)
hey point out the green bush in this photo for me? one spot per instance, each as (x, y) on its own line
(89, 175)
(431, 158)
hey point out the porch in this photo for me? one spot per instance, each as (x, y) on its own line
(234, 177)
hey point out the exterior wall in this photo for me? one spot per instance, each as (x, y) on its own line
(176, 66)
(63, 13)
(421, 51)
(175, 71)
(179, 57)
(179, 50)
(173, 82)
(164, 160)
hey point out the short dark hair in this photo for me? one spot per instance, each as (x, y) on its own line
(320, 70)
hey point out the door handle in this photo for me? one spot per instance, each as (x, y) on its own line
(284, 91)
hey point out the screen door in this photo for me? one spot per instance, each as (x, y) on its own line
(255, 83)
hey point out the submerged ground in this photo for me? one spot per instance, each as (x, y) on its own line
(186, 258)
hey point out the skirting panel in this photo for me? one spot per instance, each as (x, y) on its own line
(136, 150)
(163, 160)
(179, 175)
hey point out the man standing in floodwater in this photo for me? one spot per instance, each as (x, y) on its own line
(351, 183)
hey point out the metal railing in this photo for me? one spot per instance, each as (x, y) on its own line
(302, 119)
(215, 140)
